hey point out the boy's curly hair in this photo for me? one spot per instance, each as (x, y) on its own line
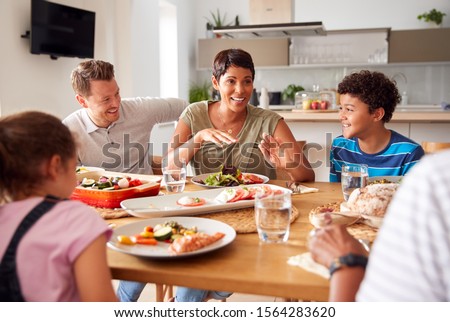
(374, 89)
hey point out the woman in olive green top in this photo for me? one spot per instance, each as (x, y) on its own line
(231, 132)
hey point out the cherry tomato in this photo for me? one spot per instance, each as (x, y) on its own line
(148, 228)
(135, 183)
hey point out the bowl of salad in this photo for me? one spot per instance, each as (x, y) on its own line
(228, 176)
(108, 189)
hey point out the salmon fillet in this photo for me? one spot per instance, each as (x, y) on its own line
(193, 242)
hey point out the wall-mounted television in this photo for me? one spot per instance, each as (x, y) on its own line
(61, 31)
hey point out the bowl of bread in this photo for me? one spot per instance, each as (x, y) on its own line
(370, 203)
(366, 205)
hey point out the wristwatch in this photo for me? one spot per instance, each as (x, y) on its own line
(348, 260)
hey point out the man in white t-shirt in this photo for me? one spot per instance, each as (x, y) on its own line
(113, 133)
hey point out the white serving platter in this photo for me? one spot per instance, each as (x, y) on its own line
(164, 206)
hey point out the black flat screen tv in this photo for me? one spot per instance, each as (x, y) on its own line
(61, 31)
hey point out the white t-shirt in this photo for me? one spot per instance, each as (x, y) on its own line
(125, 145)
(410, 259)
(46, 253)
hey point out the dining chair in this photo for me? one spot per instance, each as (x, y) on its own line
(281, 173)
(432, 147)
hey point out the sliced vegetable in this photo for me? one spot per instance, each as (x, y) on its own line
(146, 241)
(126, 240)
(250, 178)
(87, 182)
(163, 234)
(146, 234)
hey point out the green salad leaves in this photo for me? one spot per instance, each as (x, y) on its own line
(227, 177)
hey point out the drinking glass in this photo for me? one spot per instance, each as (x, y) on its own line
(174, 177)
(353, 176)
(273, 216)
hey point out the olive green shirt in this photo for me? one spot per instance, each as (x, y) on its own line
(245, 154)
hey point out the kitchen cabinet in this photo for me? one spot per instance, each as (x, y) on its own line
(338, 48)
(421, 45)
(265, 51)
(437, 132)
(358, 46)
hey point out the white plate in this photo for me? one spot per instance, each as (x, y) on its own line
(163, 206)
(202, 177)
(204, 225)
(393, 179)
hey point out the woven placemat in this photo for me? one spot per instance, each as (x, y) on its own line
(242, 220)
(107, 213)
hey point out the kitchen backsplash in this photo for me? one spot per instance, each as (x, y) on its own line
(427, 84)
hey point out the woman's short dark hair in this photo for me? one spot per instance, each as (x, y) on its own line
(232, 57)
(374, 89)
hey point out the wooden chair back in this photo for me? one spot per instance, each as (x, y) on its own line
(431, 147)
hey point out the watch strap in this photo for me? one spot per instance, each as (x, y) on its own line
(349, 260)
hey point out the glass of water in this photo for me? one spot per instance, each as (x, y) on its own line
(174, 177)
(273, 216)
(353, 176)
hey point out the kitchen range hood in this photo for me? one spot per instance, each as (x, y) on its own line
(273, 30)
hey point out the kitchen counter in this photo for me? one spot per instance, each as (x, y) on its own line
(403, 114)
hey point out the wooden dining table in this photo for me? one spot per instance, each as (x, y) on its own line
(246, 265)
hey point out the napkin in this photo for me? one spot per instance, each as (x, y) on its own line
(306, 262)
(299, 188)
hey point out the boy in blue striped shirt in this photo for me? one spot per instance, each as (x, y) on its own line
(368, 100)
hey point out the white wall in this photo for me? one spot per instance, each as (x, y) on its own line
(127, 35)
(353, 14)
(343, 14)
